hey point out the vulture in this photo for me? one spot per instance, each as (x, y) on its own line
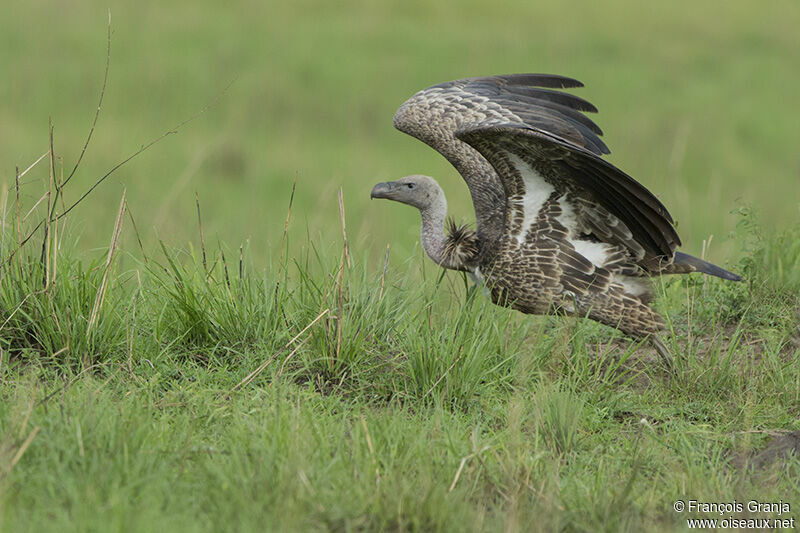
(558, 228)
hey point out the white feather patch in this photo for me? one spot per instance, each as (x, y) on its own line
(596, 252)
(567, 216)
(633, 285)
(537, 191)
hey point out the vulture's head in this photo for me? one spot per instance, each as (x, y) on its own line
(419, 191)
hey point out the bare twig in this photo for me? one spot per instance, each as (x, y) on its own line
(200, 155)
(99, 104)
(142, 149)
(116, 167)
(136, 231)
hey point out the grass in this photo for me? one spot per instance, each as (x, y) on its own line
(318, 395)
(175, 379)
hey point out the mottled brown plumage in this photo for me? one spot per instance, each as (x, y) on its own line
(558, 229)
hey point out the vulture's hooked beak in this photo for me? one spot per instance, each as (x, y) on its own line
(382, 190)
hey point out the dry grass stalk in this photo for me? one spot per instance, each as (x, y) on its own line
(371, 449)
(241, 261)
(19, 306)
(3, 209)
(252, 375)
(20, 241)
(291, 354)
(202, 238)
(32, 209)
(344, 228)
(28, 413)
(19, 207)
(444, 374)
(101, 291)
(340, 278)
(227, 277)
(461, 467)
(136, 232)
(21, 451)
(47, 240)
(131, 330)
(284, 240)
(340, 310)
(288, 217)
(383, 275)
(30, 167)
(56, 243)
(138, 152)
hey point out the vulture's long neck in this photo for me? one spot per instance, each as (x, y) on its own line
(441, 248)
(433, 237)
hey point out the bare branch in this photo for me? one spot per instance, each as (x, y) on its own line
(99, 105)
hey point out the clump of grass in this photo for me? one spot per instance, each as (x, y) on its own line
(558, 415)
(769, 299)
(215, 308)
(53, 309)
(355, 340)
(454, 353)
(61, 323)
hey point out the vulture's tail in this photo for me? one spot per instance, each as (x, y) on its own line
(689, 263)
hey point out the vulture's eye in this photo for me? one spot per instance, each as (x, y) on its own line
(411, 185)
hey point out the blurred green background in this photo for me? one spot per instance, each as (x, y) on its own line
(700, 101)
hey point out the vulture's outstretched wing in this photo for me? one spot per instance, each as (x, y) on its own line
(601, 201)
(435, 114)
